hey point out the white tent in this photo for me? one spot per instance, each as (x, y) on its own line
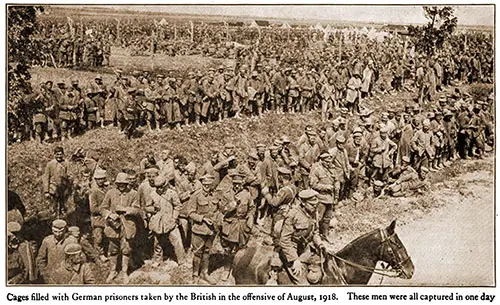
(286, 26)
(364, 30)
(163, 22)
(253, 24)
(319, 27)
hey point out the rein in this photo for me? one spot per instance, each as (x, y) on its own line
(379, 271)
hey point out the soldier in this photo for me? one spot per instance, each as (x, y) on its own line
(293, 93)
(73, 270)
(357, 149)
(152, 98)
(422, 146)
(17, 271)
(130, 113)
(120, 231)
(186, 185)
(308, 153)
(300, 239)
(240, 94)
(226, 93)
(353, 93)
(477, 124)
(209, 98)
(323, 181)
(307, 86)
(204, 212)
(383, 150)
(367, 82)
(122, 195)
(407, 181)
(53, 122)
(328, 101)
(282, 201)
(342, 169)
(97, 221)
(51, 252)
(463, 121)
(238, 218)
(256, 92)
(449, 137)
(91, 109)
(279, 90)
(164, 208)
(40, 108)
(65, 107)
(57, 183)
(171, 108)
(89, 252)
(190, 103)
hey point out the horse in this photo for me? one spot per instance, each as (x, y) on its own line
(356, 262)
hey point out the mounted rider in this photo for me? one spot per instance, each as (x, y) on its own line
(301, 244)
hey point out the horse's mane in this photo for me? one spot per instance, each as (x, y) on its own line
(350, 245)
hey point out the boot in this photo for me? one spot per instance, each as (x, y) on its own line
(204, 270)
(124, 272)
(112, 267)
(196, 269)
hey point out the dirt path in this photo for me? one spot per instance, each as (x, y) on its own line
(453, 246)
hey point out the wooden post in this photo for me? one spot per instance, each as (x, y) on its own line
(192, 31)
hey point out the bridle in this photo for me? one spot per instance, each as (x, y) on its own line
(386, 244)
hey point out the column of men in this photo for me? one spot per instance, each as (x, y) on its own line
(62, 111)
(171, 203)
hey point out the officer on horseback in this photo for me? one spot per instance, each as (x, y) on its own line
(300, 243)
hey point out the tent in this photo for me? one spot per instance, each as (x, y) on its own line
(364, 30)
(318, 27)
(286, 26)
(253, 24)
(163, 22)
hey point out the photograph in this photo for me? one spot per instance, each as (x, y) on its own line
(250, 145)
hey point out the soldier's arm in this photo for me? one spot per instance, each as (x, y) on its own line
(93, 204)
(149, 207)
(88, 275)
(176, 203)
(315, 184)
(192, 209)
(288, 246)
(135, 208)
(106, 205)
(302, 159)
(41, 258)
(46, 179)
(277, 200)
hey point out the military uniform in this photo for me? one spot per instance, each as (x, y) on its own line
(238, 218)
(322, 180)
(298, 240)
(57, 183)
(204, 212)
(51, 252)
(164, 209)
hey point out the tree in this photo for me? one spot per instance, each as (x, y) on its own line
(22, 49)
(432, 36)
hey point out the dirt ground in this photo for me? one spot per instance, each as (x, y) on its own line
(453, 245)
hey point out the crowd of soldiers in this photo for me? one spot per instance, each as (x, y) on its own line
(287, 192)
(262, 80)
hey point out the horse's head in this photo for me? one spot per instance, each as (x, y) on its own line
(393, 252)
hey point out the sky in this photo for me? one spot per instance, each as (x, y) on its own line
(467, 15)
